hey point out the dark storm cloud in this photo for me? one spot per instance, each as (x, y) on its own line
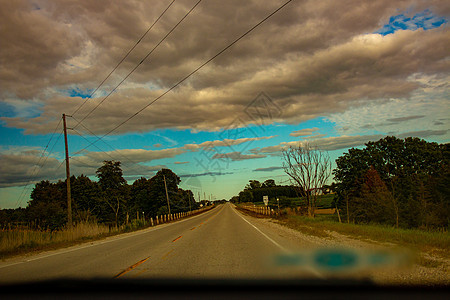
(313, 58)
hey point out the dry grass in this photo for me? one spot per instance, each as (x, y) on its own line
(413, 238)
(19, 241)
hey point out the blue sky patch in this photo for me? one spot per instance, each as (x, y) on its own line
(426, 20)
(77, 92)
(6, 110)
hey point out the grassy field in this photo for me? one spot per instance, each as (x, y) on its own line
(436, 241)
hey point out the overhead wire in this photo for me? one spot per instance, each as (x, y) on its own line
(191, 73)
(106, 153)
(22, 194)
(125, 57)
(87, 98)
(109, 145)
(180, 81)
(140, 63)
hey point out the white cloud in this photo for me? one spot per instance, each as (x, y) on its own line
(19, 165)
(304, 132)
(399, 115)
(328, 144)
(312, 59)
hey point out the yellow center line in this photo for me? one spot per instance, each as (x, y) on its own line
(131, 267)
(166, 255)
(177, 239)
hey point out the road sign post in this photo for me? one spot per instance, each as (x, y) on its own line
(266, 200)
(278, 202)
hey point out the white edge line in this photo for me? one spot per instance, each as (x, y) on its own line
(275, 243)
(317, 273)
(100, 242)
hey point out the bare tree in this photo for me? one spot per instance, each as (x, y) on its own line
(309, 168)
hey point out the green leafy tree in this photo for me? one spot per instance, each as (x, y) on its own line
(86, 198)
(274, 192)
(114, 188)
(376, 203)
(48, 205)
(245, 196)
(409, 168)
(269, 183)
(185, 201)
(141, 200)
(234, 199)
(253, 184)
(158, 191)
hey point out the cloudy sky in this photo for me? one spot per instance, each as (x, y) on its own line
(334, 73)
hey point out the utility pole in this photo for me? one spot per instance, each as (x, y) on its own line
(189, 200)
(69, 197)
(167, 195)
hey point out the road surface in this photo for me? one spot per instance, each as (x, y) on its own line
(220, 243)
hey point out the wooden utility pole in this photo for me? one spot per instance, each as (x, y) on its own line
(189, 201)
(69, 197)
(167, 195)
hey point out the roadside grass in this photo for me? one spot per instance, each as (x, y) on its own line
(21, 241)
(435, 241)
(15, 242)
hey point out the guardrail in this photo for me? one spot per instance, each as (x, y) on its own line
(262, 210)
(171, 217)
(268, 211)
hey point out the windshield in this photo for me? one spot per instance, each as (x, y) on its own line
(256, 140)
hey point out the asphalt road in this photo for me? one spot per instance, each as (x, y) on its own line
(220, 243)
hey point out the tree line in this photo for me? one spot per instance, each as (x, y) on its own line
(255, 190)
(397, 182)
(110, 200)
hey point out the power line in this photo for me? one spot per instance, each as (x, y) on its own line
(89, 97)
(60, 164)
(109, 145)
(114, 150)
(190, 74)
(140, 63)
(184, 78)
(22, 194)
(126, 55)
(79, 161)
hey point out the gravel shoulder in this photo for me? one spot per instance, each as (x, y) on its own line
(427, 268)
